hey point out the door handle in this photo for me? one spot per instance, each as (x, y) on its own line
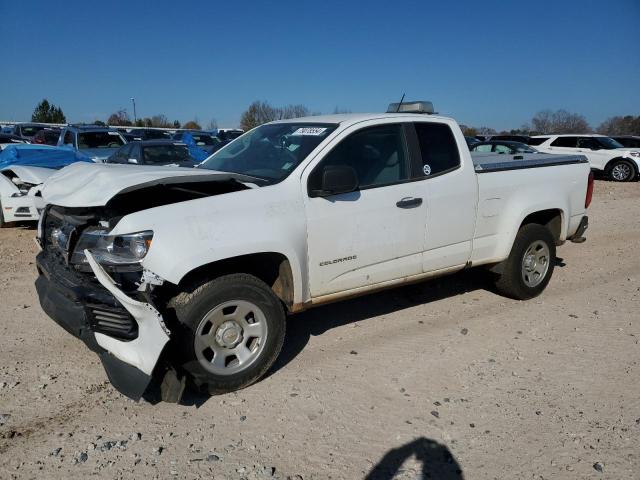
(409, 202)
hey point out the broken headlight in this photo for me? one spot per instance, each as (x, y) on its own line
(112, 250)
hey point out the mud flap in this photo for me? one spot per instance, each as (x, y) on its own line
(129, 364)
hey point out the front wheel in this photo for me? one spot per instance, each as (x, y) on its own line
(230, 332)
(529, 267)
(621, 171)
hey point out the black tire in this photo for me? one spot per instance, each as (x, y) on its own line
(621, 171)
(191, 309)
(511, 282)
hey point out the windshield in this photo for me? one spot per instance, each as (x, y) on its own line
(270, 151)
(608, 143)
(99, 140)
(163, 154)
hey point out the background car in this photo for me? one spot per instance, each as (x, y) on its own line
(228, 134)
(147, 134)
(10, 138)
(629, 141)
(154, 152)
(502, 146)
(26, 131)
(511, 138)
(605, 155)
(97, 142)
(47, 136)
(205, 140)
(471, 141)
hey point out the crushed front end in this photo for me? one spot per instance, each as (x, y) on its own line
(91, 285)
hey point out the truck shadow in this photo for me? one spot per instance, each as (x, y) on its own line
(436, 460)
(319, 320)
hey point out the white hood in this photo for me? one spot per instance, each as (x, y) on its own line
(91, 185)
(33, 175)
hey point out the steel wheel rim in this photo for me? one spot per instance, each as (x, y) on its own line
(231, 337)
(535, 263)
(621, 171)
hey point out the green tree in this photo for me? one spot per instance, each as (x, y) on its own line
(46, 112)
(176, 124)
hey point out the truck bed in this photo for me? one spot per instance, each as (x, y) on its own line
(495, 162)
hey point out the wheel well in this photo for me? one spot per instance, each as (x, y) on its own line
(617, 159)
(552, 219)
(272, 268)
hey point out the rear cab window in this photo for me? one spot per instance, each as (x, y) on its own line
(438, 148)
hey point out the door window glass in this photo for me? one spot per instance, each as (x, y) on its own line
(377, 155)
(438, 148)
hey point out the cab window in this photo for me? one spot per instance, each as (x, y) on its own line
(377, 154)
(438, 148)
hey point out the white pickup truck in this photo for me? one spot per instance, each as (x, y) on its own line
(185, 276)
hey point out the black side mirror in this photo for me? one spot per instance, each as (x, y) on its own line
(336, 179)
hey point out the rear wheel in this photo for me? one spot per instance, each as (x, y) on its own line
(621, 171)
(231, 331)
(529, 267)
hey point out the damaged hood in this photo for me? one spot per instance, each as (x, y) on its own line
(32, 175)
(93, 185)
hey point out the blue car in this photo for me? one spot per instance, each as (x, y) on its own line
(98, 143)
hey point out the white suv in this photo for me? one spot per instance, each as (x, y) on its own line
(604, 154)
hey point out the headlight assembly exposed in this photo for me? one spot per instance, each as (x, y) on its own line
(112, 250)
(635, 154)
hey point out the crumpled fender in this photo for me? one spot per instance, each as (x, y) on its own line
(144, 351)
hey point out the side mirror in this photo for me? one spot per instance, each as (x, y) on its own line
(133, 160)
(336, 179)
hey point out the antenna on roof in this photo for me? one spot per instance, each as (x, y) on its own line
(400, 104)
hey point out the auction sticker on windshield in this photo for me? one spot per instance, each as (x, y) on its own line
(309, 131)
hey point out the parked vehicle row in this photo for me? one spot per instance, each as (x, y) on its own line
(183, 277)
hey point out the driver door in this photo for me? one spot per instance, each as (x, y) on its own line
(376, 233)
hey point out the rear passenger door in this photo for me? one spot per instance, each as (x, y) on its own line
(451, 190)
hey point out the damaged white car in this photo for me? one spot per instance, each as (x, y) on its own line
(179, 277)
(20, 197)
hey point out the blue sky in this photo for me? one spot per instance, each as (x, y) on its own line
(492, 63)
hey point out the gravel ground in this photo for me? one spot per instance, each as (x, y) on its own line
(443, 379)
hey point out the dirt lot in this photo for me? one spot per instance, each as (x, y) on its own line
(431, 379)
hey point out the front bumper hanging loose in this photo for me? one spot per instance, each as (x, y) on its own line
(143, 352)
(129, 364)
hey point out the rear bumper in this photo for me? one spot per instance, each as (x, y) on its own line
(68, 305)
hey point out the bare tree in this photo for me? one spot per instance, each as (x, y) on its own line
(257, 114)
(212, 125)
(293, 111)
(339, 110)
(560, 121)
(121, 117)
(262, 112)
(542, 121)
(161, 121)
(627, 125)
(192, 125)
(485, 131)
